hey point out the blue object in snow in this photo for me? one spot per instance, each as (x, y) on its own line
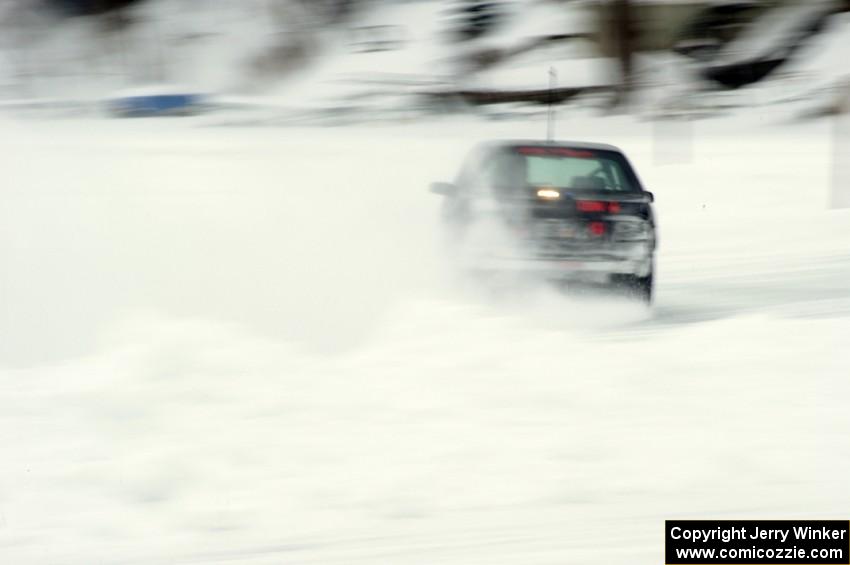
(182, 104)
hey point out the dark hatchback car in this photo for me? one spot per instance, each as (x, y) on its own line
(573, 213)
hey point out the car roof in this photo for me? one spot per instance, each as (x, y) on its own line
(539, 143)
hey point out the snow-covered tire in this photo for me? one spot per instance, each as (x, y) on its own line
(635, 287)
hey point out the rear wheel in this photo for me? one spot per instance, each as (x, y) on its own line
(638, 288)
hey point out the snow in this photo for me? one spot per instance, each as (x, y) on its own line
(153, 90)
(532, 72)
(575, 61)
(241, 345)
(806, 82)
(345, 72)
(204, 46)
(232, 344)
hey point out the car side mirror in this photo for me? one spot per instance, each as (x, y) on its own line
(444, 188)
(648, 196)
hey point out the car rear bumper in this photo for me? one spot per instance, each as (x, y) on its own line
(597, 270)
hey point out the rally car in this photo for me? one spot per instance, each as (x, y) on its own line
(567, 212)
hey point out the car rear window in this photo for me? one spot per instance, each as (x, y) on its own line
(579, 169)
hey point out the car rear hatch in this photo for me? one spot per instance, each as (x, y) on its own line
(603, 224)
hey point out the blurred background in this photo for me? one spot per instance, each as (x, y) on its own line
(360, 60)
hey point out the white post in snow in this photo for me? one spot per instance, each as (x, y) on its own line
(550, 126)
(840, 195)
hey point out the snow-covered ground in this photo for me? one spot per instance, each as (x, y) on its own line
(240, 345)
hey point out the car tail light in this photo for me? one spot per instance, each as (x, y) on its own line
(598, 206)
(596, 228)
(591, 206)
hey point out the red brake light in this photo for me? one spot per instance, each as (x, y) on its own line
(591, 206)
(597, 228)
(556, 151)
(598, 206)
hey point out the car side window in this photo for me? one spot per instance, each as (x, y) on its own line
(614, 176)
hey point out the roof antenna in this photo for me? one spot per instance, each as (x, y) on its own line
(550, 122)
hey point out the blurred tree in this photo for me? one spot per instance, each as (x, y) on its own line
(469, 19)
(89, 7)
(299, 26)
(624, 34)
